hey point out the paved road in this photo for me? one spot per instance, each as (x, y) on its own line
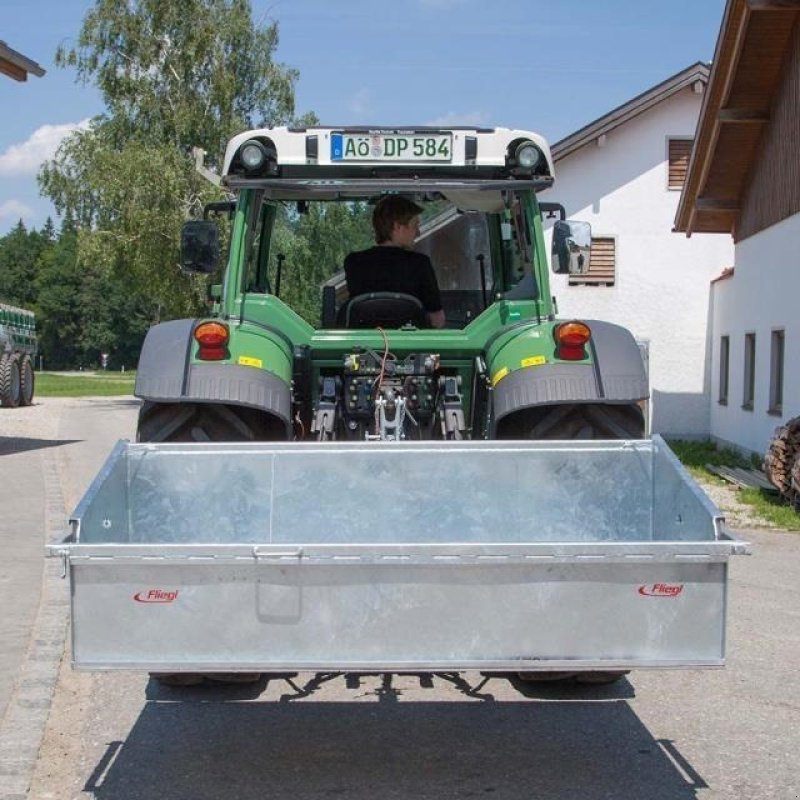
(693, 735)
(22, 526)
(47, 451)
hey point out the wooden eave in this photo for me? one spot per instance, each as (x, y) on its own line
(725, 275)
(745, 76)
(16, 65)
(638, 105)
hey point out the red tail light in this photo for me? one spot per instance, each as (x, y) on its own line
(571, 339)
(213, 340)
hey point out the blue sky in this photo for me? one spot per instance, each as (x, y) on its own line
(550, 67)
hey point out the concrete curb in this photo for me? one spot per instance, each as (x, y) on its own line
(23, 724)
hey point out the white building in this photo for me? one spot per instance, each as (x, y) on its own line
(744, 181)
(623, 174)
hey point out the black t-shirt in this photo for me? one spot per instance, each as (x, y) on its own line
(386, 268)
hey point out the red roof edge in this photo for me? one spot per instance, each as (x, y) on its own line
(724, 275)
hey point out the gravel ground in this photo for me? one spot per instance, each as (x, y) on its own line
(737, 514)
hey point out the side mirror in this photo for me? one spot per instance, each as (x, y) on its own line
(572, 244)
(199, 246)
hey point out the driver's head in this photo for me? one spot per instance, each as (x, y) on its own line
(392, 210)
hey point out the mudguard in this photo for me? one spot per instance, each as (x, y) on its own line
(617, 375)
(167, 375)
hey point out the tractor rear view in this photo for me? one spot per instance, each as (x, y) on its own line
(362, 492)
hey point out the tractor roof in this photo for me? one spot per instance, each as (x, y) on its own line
(471, 166)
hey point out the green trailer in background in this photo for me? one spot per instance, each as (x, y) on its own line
(17, 326)
(17, 351)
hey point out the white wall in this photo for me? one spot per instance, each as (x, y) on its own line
(761, 296)
(662, 282)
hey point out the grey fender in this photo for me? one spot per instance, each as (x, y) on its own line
(617, 376)
(166, 375)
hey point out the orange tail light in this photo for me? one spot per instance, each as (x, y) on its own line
(212, 337)
(571, 338)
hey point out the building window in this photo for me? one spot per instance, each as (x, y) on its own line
(776, 373)
(724, 360)
(749, 371)
(602, 264)
(680, 151)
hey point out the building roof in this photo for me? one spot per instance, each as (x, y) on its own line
(16, 65)
(641, 103)
(724, 275)
(753, 43)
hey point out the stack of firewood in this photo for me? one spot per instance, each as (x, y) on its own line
(782, 461)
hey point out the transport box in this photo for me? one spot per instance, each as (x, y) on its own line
(578, 555)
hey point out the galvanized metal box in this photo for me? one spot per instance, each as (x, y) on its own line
(397, 556)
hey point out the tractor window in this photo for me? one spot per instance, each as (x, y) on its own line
(453, 241)
(517, 243)
(257, 249)
(314, 238)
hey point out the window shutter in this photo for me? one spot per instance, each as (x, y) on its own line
(602, 264)
(680, 151)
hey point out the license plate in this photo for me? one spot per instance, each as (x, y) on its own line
(391, 147)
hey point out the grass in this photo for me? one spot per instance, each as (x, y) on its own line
(695, 455)
(771, 507)
(86, 384)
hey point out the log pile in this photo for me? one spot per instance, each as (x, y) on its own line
(782, 461)
(796, 482)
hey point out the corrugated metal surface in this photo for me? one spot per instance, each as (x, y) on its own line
(774, 189)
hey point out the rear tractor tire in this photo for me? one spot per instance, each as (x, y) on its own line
(205, 422)
(575, 421)
(595, 678)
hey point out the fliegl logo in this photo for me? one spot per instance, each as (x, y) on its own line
(156, 596)
(661, 589)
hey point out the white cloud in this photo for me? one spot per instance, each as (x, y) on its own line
(360, 102)
(14, 210)
(27, 157)
(452, 119)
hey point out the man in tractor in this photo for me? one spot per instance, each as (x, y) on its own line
(392, 265)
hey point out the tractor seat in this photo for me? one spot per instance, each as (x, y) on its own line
(384, 310)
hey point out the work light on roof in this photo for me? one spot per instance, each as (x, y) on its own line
(253, 155)
(527, 155)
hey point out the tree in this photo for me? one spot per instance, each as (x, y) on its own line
(19, 251)
(172, 76)
(59, 320)
(315, 244)
(84, 310)
(190, 73)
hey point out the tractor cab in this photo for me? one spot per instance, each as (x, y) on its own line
(480, 224)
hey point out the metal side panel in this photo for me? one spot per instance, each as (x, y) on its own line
(390, 493)
(361, 609)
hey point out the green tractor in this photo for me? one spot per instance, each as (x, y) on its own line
(17, 351)
(503, 367)
(335, 497)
